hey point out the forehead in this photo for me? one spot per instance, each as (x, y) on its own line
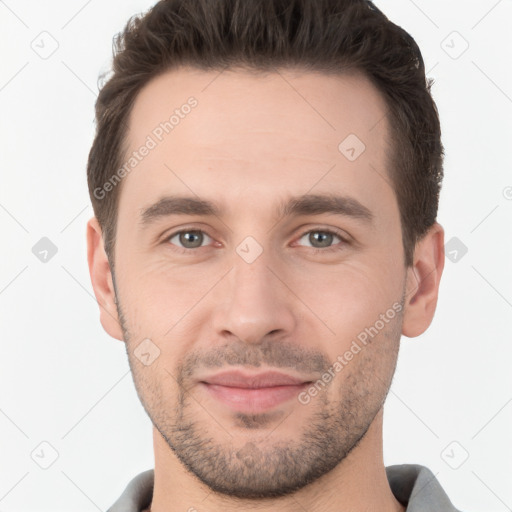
(239, 134)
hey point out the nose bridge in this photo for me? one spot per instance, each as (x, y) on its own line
(257, 303)
(251, 278)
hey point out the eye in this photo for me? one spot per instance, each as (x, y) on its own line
(188, 238)
(322, 239)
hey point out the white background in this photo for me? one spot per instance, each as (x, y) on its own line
(64, 381)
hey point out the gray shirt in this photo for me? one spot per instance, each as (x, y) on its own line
(413, 485)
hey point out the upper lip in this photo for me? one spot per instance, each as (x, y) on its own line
(238, 379)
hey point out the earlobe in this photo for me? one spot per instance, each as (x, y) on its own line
(423, 279)
(101, 279)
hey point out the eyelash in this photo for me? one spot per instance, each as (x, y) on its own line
(315, 250)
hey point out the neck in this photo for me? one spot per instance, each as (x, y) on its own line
(358, 483)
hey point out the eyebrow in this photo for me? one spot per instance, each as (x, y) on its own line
(308, 204)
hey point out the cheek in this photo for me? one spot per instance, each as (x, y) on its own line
(353, 295)
(158, 295)
(155, 385)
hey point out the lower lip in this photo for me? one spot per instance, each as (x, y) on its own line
(253, 400)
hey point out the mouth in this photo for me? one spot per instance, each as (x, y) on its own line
(253, 393)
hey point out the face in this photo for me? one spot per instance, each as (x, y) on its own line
(260, 271)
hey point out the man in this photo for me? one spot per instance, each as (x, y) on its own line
(265, 179)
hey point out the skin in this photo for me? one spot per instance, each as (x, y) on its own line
(251, 143)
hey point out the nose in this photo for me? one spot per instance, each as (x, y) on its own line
(254, 303)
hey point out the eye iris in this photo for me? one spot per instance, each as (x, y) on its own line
(324, 238)
(194, 239)
(187, 236)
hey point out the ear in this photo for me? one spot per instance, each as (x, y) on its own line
(101, 279)
(423, 278)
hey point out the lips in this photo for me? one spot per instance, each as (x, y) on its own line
(253, 393)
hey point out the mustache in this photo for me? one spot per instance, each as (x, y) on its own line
(277, 354)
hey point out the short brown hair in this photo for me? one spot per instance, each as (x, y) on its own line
(331, 36)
